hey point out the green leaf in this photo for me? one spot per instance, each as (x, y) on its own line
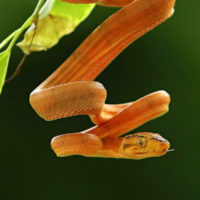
(75, 12)
(4, 60)
(62, 20)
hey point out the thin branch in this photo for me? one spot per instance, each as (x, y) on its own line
(27, 23)
(17, 71)
(5, 42)
(19, 66)
(14, 36)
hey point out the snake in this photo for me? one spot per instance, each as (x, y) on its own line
(71, 90)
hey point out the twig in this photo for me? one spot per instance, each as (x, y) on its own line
(33, 18)
(19, 66)
(17, 71)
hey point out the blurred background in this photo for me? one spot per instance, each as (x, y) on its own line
(166, 58)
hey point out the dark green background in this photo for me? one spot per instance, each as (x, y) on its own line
(167, 58)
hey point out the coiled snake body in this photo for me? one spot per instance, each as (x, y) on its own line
(70, 90)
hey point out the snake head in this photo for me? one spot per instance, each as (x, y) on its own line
(144, 145)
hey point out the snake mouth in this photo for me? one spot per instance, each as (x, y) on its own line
(150, 152)
(164, 151)
(140, 153)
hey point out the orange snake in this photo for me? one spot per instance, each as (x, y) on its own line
(70, 90)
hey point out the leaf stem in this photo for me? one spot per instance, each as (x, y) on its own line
(5, 41)
(19, 66)
(26, 24)
(17, 71)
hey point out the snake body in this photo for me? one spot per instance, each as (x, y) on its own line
(70, 90)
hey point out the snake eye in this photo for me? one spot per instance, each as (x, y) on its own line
(141, 142)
